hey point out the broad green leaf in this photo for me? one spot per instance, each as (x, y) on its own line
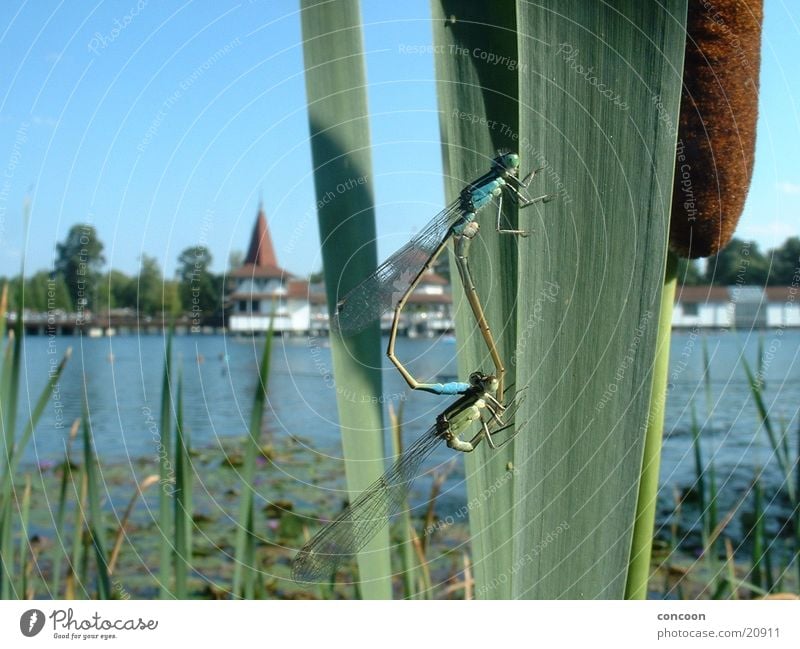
(588, 362)
(474, 95)
(340, 146)
(575, 306)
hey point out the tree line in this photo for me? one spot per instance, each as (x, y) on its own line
(78, 282)
(742, 263)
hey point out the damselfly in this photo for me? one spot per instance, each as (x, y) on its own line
(391, 285)
(351, 530)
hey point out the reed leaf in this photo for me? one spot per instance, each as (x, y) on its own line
(757, 573)
(24, 537)
(335, 78)
(66, 476)
(95, 520)
(470, 86)
(408, 534)
(641, 546)
(123, 522)
(13, 448)
(183, 498)
(166, 478)
(592, 361)
(78, 479)
(244, 573)
(9, 395)
(586, 285)
(779, 448)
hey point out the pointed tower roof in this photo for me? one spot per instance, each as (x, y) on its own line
(260, 260)
(261, 253)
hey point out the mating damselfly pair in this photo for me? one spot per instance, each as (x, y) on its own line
(390, 287)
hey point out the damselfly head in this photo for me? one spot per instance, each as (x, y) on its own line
(507, 161)
(484, 382)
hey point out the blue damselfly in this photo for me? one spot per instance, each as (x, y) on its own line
(393, 282)
(352, 529)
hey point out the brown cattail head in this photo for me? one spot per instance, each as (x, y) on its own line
(717, 130)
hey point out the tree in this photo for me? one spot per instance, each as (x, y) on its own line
(116, 290)
(35, 296)
(235, 259)
(149, 287)
(47, 292)
(785, 262)
(171, 294)
(199, 291)
(739, 263)
(79, 260)
(688, 273)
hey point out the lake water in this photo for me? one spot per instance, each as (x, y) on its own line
(121, 380)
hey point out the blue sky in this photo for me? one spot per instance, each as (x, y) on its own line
(164, 133)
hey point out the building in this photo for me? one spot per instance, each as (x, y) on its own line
(261, 288)
(702, 306)
(429, 309)
(741, 307)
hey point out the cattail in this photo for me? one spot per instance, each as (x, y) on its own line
(717, 131)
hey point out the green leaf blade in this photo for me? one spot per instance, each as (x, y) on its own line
(340, 146)
(589, 361)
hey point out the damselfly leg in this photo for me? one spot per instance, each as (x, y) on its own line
(351, 530)
(435, 388)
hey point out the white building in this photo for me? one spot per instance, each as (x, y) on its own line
(261, 289)
(783, 306)
(742, 307)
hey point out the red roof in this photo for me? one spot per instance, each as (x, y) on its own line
(428, 298)
(701, 294)
(250, 270)
(781, 294)
(261, 253)
(260, 260)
